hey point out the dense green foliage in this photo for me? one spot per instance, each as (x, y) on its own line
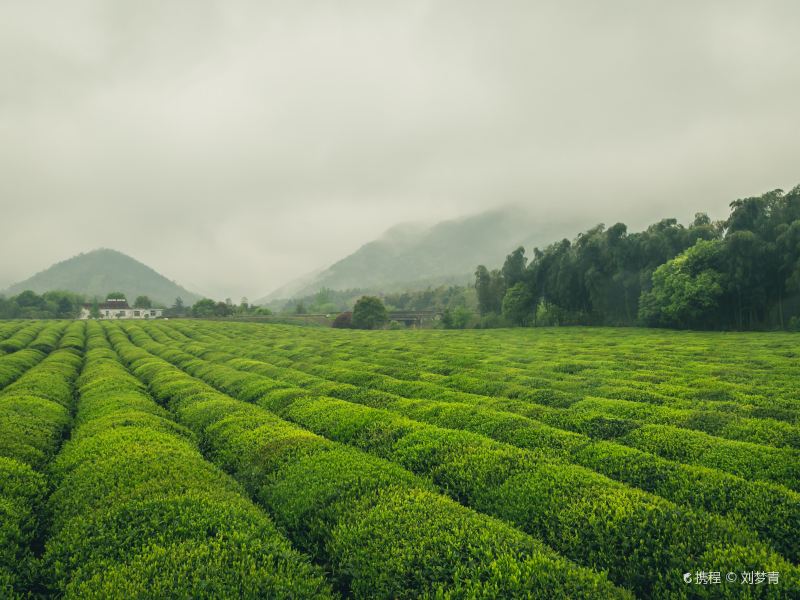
(143, 302)
(50, 305)
(94, 273)
(741, 273)
(473, 469)
(434, 298)
(369, 313)
(208, 459)
(211, 308)
(343, 505)
(697, 486)
(414, 258)
(137, 511)
(34, 415)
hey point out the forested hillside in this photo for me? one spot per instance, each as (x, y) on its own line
(410, 258)
(95, 273)
(740, 273)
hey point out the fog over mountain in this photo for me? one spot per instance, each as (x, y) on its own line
(99, 272)
(237, 145)
(413, 256)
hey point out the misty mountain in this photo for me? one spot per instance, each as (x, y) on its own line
(411, 256)
(101, 271)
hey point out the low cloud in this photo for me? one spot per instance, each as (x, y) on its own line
(235, 145)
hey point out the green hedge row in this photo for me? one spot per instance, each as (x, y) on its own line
(138, 513)
(9, 328)
(780, 465)
(766, 431)
(645, 543)
(13, 365)
(752, 461)
(22, 491)
(35, 409)
(49, 338)
(712, 418)
(614, 419)
(34, 415)
(21, 338)
(772, 510)
(750, 374)
(382, 532)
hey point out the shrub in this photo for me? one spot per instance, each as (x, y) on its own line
(137, 511)
(343, 321)
(276, 460)
(369, 313)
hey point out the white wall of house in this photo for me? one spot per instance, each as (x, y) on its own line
(124, 313)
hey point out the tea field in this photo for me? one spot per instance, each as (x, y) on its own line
(208, 459)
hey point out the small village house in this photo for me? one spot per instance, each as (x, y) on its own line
(118, 308)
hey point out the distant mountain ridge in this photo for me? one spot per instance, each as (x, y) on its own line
(446, 252)
(101, 271)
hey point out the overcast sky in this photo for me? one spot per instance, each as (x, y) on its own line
(233, 145)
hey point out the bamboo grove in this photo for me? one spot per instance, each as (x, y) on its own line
(737, 274)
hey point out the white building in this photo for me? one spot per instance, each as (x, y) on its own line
(117, 308)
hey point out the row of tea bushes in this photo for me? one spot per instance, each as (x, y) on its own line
(603, 418)
(381, 531)
(13, 365)
(747, 460)
(34, 416)
(22, 337)
(746, 372)
(138, 513)
(49, 338)
(766, 431)
(770, 432)
(752, 461)
(772, 510)
(46, 339)
(36, 408)
(22, 491)
(644, 542)
(9, 328)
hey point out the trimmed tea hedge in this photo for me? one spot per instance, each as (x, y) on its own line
(507, 482)
(773, 511)
(343, 505)
(137, 511)
(34, 416)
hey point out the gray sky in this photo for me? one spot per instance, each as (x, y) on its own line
(233, 145)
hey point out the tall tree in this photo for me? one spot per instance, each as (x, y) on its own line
(514, 267)
(143, 302)
(687, 290)
(483, 287)
(518, 304)
(369, 313)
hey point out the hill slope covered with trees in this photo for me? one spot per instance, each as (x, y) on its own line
(740, 273)
(94, 273)
(409, 257)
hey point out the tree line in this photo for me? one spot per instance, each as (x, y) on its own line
(50, 305)
(60, 304)
(739, 273)
(326, 300)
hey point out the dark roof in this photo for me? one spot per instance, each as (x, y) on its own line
(114, 304)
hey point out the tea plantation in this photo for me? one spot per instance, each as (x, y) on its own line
(203, 459)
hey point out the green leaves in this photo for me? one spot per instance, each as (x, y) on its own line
(380, 530)
(138, 512)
